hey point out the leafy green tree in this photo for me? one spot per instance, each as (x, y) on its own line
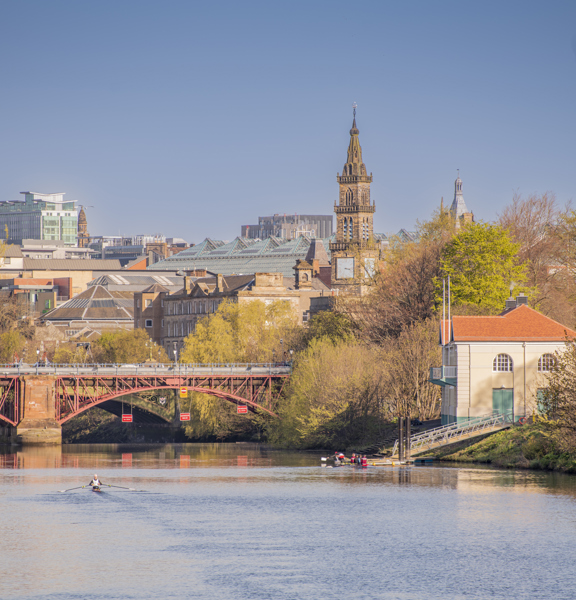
(242, 332)
(113, 347)
(333, 395)
(482, 263)
(329, 324)
(11, 342)
(124, 347)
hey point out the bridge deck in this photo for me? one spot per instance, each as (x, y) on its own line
(180, 370)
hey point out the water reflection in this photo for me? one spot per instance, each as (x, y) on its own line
(191, 457)
(247, 522)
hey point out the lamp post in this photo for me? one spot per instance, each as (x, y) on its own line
(291, 357)
(282, 357)
(37, 360)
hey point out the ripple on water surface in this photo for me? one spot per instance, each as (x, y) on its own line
(240, 522)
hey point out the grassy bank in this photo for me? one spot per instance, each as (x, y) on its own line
(528, 447)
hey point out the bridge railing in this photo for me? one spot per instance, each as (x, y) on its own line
(148, 369)
(448, 434)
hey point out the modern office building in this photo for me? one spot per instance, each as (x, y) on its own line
(39, 217)
(289, 227)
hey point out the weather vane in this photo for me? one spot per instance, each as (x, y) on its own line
(354, 105)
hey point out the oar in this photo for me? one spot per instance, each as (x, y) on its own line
(120, 487)
(75, 488)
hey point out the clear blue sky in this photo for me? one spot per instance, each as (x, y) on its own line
(192, 118)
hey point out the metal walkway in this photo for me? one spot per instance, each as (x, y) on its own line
(449, 434)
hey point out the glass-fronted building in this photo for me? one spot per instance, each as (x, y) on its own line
(39, 217)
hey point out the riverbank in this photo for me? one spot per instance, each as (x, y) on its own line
(527, 447)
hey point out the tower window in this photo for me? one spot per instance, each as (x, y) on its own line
(349, 197)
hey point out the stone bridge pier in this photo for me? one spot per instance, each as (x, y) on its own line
(38, 423)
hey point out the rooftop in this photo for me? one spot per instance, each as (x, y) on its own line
(521, 324)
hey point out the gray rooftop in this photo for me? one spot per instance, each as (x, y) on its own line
(241, 256)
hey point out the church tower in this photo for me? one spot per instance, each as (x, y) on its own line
(354, 253)
(459, 210)
(83, 235)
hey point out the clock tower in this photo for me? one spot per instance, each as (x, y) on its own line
(354, 253)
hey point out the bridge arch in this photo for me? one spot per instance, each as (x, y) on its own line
(252, 406)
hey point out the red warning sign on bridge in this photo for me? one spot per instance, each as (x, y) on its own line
(126, 418)
(241, 409)
(184, 416)
(183, 392)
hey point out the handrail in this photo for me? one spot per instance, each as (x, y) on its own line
(449, 433)
(181, 369)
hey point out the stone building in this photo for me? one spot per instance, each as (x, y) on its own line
(354, 252)
(83, 235)
(170, 318)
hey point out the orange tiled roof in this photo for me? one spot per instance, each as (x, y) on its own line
(522, 324)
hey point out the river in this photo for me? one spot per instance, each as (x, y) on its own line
(240, 522)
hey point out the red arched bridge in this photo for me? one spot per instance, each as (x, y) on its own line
(38, 399)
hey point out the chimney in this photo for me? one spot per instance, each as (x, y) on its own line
(510, 304)
(521, 299)
(219, 283)
(187, 284)
(316, 266)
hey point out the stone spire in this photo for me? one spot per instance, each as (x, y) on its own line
(354, 167)
(458, 208)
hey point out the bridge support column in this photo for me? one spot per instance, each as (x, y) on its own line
(38, 423)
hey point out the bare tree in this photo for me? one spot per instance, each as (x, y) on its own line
(546, 233)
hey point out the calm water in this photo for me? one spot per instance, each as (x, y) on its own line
(239, 522)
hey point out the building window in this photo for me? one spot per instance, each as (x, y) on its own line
(503, 363)
(546, 363)
(148, 323)
(148, 303)
(162, 323)
(137, 303)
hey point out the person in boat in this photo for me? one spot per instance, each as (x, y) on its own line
(364, 461)
(353, 458)
(95, 482)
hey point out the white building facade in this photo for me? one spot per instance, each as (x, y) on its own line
(497, 364)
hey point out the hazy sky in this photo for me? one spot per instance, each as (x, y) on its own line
(193, 118)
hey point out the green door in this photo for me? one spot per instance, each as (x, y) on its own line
(503, 401)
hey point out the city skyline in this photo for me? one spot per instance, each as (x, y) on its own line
(192, 120)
